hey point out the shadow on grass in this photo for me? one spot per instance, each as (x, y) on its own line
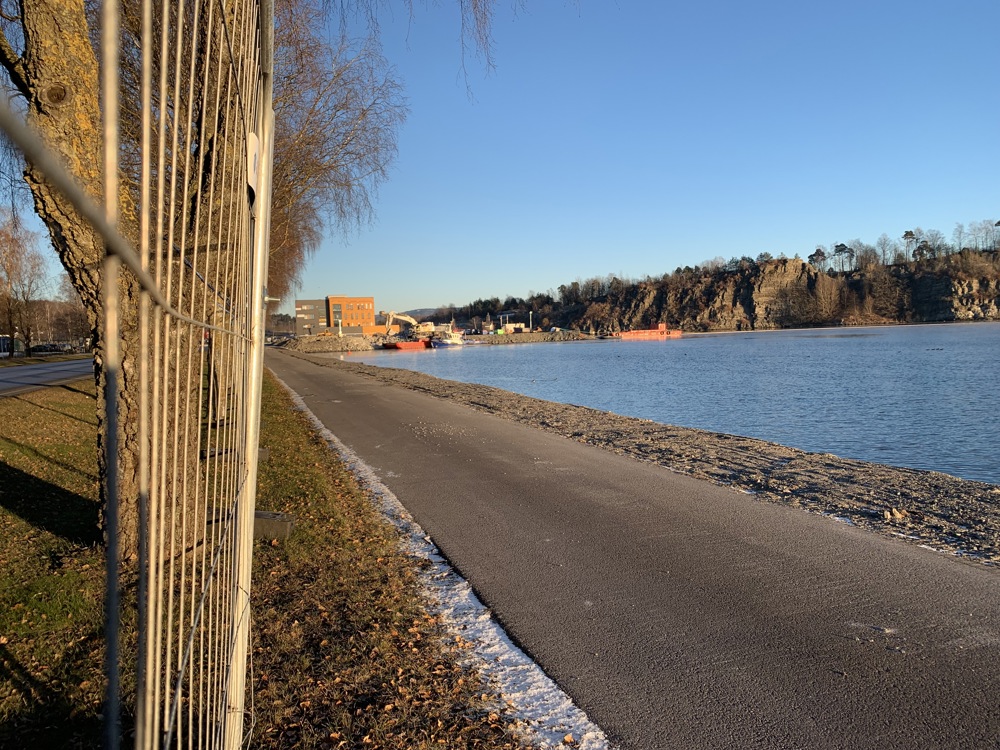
(67, 415)
(49, 507)
(49, 717)
(32, 450)
(75, 387)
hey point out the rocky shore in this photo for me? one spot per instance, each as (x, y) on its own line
(320, 344)
(923, 507)
(533, 337)
(359, 343)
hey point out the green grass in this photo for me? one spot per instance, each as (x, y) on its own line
(52, 579)
(344, 652)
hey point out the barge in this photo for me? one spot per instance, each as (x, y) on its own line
(421, 344)
(660, 332)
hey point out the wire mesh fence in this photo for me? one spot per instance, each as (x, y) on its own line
(186, 102)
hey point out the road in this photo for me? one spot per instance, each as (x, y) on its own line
(676, 613)
(20, 378)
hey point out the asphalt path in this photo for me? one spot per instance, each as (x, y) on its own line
(17, 379)
(676, 613)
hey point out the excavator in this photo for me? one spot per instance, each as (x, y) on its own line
(418, 329)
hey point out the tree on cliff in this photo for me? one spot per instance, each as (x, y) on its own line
(842, 251)
(910, 238)
(984, 234)
(47, 50)
(887, 248)
(937, 244)
(866, 257)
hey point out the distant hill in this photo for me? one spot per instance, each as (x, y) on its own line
(748, 295)
(423, 312)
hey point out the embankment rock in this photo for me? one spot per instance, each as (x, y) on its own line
(319, 344)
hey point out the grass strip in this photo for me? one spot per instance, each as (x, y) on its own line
(51, 570)
(344, 652)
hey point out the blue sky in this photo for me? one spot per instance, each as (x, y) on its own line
(631, 138)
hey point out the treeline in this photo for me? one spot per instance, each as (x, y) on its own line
(914, 245)
(37, 324)
(28, 318)
(918, 277)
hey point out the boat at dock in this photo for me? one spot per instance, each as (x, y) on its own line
(447, 338)
(419, 344)
(660, 332)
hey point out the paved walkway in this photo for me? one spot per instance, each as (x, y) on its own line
(16, 379)
(676, 613)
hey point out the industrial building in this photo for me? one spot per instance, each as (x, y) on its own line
(310, 317)
(336, 314)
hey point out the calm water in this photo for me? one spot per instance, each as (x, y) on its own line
(917, 396)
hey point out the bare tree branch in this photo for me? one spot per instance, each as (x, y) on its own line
(339, 107)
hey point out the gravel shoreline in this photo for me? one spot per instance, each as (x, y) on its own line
(359, 343)
(929, 508)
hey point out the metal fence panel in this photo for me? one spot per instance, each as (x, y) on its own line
(186, 96)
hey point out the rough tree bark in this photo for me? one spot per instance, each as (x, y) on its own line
(57, 75)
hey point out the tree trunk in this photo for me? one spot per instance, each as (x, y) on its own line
(60, 82)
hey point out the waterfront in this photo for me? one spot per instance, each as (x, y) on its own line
(913, 396)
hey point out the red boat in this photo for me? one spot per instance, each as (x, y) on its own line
(660, 332)
(421, 344)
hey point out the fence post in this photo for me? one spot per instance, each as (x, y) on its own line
(236, 684)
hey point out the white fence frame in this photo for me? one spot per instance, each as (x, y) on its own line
(200, 360)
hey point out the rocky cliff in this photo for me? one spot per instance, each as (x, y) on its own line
(940, 298)
(791, 293)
